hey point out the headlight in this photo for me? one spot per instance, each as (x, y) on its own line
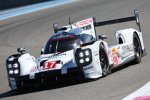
(16, 71)
(13, 69)
(11, 72)
(9, 66)
(87, 59)
(81, 61)
(83, 57)
(15, 65)
(87, 53)
(81, 54)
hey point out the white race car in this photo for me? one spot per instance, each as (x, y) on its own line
(75, 51)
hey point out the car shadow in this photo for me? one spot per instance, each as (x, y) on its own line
(43, 87)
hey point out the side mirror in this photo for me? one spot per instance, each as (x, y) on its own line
(42, 51)
(21, 50)
(102, 37)
(55, 26)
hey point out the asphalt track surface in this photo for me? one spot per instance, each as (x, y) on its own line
(31, 31)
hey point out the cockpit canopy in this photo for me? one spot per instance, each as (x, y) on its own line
(66, 41)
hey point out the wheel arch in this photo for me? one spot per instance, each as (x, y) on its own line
(104, 47)
(139, 34)
(127, 36)
(107, 50)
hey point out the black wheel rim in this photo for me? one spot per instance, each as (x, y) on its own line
(103, 61)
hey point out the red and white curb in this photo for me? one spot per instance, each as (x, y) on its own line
(141, 94)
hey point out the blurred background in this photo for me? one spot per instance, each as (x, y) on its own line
(7, 4)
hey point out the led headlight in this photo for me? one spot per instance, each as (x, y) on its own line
(9, 66)
(11, 72)
(87, 59)
(15, 65)
(81, 61)
(16, 71)
(87, 53)
(81, 54)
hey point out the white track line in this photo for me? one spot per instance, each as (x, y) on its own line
(31, 8)
(142, 93)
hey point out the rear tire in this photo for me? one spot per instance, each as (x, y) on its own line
(137, 49)
(106, 69)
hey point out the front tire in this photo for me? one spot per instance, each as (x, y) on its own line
(106, 70)
(137, 49)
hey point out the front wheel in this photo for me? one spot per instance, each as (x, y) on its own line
(106, 69)
(137, 49)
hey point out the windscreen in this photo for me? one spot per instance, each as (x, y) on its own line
(61, 45)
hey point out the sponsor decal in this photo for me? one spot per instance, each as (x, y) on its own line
(115, 59)
(88, 25)
(84, 22)
(114, 56)
(113, 51)
(55, 55)
(127, 48)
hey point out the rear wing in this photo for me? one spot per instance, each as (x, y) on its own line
(89, 24)
(86, 25)
(120, 20)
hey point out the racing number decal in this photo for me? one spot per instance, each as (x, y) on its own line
(49, 65)
(114, 56)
